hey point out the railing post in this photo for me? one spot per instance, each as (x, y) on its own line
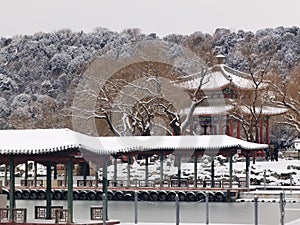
(12, 202)
(147, 171)
(104, 189)
(179, 171)
(128, 171)
(207, 207)
(115, 171)
(291, 182)
(26, 174)
(195, 168)
(85, 168)
(97, 176)
(48, 190)
(136, 207)
(177, 209)
(230, 170)
(247, 171)
(282, 205)
(35, 173)
(70, 190)
(212, 181)
(255, 210)
(104, 208)
(161, 158)
(5, 176)
(265, 180)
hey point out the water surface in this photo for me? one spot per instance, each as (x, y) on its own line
(190, 212)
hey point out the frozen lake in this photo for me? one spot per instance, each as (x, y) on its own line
(190, 213)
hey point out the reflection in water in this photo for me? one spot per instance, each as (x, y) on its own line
(230, 213)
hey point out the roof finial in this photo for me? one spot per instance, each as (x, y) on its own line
(220, 59)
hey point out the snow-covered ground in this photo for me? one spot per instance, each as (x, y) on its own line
(278, 173)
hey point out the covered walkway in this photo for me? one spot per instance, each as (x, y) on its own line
(63, 146)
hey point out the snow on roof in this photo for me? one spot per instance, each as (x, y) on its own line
(219, 110)
(218, 77)
(41, 141)
(212, 110)
(296, 143)
(209, 142)
(220, 56)
(214, 80)
(266, 110)
(296, 140)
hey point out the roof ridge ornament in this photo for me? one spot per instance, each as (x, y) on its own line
(220, 59)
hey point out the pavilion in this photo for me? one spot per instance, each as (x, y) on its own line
(229, 102)
(63, 146)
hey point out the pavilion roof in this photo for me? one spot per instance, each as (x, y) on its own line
(225, 109)
(41, 141)
(265, 110)
(211, 110)
(218, 77)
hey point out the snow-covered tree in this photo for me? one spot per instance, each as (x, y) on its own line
(258, 55)
(287, 94)
(52, 64)
(35, 111)
(138, 98)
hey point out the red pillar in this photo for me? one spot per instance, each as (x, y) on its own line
(261, 132)
(238, 130)
(191, 129)
(231, 127)
(221, 125)
(267, 132)
(205, 129)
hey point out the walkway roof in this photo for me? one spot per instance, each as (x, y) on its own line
(41, 141)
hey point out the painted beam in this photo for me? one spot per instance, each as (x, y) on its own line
(70, 189)
(195, 168)
(12, 202)
(48, 190)
(161, 159)
(147, 170)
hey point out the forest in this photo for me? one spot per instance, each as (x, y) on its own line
(39, 73)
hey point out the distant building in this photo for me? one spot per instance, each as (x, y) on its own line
(296, 144)
(229, 103)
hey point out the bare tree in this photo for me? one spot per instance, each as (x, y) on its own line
(179, 122)
(286, 93)
(252, 101)
(132, 91)
(129, 107)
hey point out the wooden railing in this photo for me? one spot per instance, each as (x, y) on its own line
(62, 216)
(40, 212)
(96, 213)
(18, 215)
(32, 183)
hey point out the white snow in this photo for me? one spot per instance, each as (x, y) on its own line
(266, 110)
(274, 170)
(39, 141)
(296, 143)
(212, 110)
(218, 77)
